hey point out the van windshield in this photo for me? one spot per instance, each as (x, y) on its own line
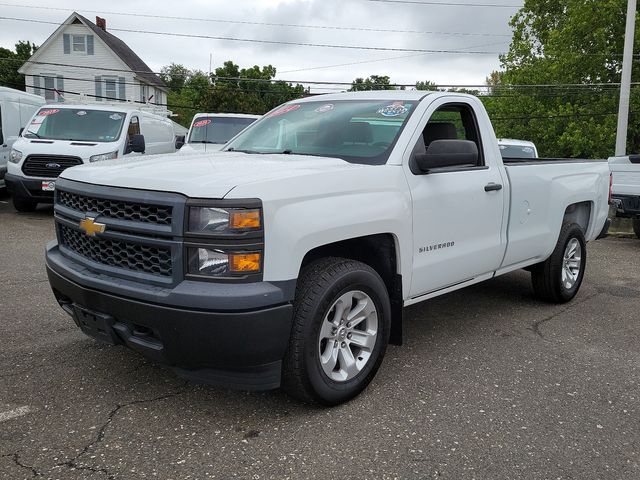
(517, 151)
(358, 131)
(217, 129)
(76, 124)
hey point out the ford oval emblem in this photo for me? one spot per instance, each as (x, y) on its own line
(53, 165)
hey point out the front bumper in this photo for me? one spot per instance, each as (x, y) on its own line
(238, 348)
(627, 206)
(28, 188)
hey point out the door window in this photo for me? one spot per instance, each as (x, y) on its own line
(453, 121)
(134, 127)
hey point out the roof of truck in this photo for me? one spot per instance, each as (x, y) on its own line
(392, 95)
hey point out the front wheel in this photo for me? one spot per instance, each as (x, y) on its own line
(636, 226)
(340, 332)
(558, 279)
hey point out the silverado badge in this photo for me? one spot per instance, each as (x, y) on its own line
(91, 227)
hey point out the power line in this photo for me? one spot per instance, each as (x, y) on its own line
(449, 4)
(274, 42)
(268, 24)
(323, 82)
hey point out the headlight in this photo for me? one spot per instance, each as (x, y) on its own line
(223, 220)
(103, 156)
(15, 156)
(217, 263)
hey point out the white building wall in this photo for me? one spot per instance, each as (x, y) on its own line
(82, 78)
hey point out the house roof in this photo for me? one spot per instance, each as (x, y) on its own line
(128, 56)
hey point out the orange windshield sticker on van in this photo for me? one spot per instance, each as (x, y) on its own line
(285, 109)
(44, 113)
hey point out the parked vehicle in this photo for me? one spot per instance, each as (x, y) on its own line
(16, 109)
(511, 148)
(626, 188)
(286, 260)
(211, 131)
(61, 136)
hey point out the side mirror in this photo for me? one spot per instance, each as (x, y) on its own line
(20, 132)
(447, 153)
(179, 142)
(136, 144)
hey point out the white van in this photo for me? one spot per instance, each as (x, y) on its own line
(62, 136)
(510, 148)
(16, 109)
(211, 131)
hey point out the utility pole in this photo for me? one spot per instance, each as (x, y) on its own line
(625, 84)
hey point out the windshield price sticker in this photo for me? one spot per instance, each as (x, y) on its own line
(115, 116)
(285, 109)
(45, 113)
(81, 113)
(394, 110)
(202, 123)
(324, 108)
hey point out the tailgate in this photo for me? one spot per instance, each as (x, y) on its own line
(626, 175)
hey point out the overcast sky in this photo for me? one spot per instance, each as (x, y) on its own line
(485, 29)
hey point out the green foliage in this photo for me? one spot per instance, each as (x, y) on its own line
(230, 89)
(564, 42)
(426, 85)
(374, 82)
(9, 76)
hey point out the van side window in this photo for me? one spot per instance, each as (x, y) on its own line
(134, 127)
(453, 121)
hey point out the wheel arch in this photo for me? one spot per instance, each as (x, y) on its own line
(380, 252)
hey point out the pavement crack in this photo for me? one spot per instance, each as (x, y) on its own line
(16, 459)
(74, 462)
(535, 328)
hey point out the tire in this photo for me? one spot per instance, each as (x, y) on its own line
(24, 205)
(636, 226)
(554, 283)
(319, 339)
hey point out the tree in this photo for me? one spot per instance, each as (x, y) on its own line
(12, 61)
(565, 42)
(426, 85)
(175, 76)
(374, 82)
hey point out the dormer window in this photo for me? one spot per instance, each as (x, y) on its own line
(79, 43)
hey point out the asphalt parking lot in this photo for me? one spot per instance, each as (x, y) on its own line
(491, 384)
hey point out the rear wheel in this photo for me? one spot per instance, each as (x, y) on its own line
(636, 226)
(558, 279)
(340, 332)
(24, 205)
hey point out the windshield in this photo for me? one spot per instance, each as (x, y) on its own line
(76, 124)
(356, 131)
(517, 151)
(217, 129)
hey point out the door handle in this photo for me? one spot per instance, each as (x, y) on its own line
(492, 187)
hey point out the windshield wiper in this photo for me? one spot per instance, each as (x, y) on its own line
(204, 141)
(33, 133)
(241, 151)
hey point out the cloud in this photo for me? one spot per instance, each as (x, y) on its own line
(194, 53)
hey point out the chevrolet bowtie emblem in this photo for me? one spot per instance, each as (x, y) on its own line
(91, 227)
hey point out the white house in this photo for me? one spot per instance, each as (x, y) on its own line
(83, 58)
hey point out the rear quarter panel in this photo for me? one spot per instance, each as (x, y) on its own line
(540, 195)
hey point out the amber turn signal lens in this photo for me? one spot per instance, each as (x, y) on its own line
(245, 219)
(244, 262)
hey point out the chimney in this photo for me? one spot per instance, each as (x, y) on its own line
(102, 23)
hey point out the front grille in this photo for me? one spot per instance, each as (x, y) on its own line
(139, 212)
(48, 166)
(118, 253)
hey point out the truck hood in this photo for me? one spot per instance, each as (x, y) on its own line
(210, 175)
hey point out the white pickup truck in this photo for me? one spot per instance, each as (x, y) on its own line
(626, 188)
(286, 260)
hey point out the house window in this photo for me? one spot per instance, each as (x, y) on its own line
(79, 43)
(49, 88)
(110, 88)
(144, 93)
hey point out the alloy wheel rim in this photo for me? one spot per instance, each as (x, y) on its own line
(348, 336)
(571, 263)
